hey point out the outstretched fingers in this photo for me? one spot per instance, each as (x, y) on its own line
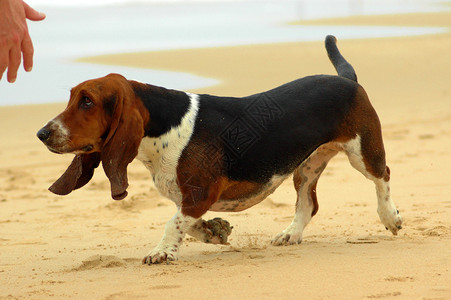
(32, 14)
(14, 61)
(28, 51)
(27, 44)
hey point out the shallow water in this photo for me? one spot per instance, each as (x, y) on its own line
(81, 28)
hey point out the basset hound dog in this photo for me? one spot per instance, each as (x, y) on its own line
(223, 154)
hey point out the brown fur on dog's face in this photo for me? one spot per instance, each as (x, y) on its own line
(84, 125)
(100, 123)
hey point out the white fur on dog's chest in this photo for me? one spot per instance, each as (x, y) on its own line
(161, 154)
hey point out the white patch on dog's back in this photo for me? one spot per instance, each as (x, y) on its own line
(161, 154)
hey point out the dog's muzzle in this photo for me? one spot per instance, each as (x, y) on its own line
(44, 134)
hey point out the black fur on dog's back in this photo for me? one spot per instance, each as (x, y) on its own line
(271, 133)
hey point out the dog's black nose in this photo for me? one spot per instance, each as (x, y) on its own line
(43, 134)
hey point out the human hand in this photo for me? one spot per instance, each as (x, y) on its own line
(14, 37)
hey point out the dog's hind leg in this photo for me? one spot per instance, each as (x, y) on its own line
(361, 140)
(366, 154)
(305, 178)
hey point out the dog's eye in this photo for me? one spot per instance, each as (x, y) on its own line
(85, 102)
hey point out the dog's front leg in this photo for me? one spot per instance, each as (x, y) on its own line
(174, 232)
(214, 231)
(198, 196)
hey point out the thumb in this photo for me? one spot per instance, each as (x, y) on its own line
(32, 14)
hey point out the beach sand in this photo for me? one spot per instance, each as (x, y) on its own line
(87, 246)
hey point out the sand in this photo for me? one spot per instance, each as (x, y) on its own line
(88, 246)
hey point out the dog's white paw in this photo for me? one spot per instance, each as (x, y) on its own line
(161, 254)
(391, 219)
(290, 236)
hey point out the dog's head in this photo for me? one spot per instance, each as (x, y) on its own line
(101, 123)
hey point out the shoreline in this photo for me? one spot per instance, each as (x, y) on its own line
(169, 60)
(214, 25)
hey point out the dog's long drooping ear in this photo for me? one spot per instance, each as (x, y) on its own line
(122, 142)
(78, 174)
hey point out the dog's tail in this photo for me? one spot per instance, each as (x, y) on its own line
(344, 69)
